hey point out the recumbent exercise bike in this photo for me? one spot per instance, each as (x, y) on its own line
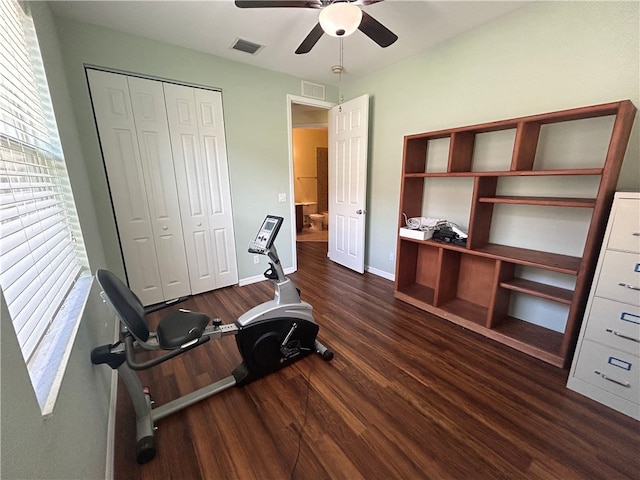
(270, 336)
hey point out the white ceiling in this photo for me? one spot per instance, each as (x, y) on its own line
(213, 26)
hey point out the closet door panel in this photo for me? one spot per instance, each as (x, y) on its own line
(202, 251)
(194, 177)
(191, 179)
(223, 260)
(144, 270)
(211, 128)
(147, 97)
(119, 142)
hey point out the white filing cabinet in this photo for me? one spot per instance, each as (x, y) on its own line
(606, 365)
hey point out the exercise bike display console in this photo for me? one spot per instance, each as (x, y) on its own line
(266, 235)
(269, 336)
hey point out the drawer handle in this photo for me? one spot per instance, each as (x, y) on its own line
(626, 337)
(617, 382)
(632, 287)
(636, 234)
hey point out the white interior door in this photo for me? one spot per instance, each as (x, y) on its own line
(199, 153)
(348, 141)
(118, 138)
(147, 98)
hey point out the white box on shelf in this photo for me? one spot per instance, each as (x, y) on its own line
(416, 234)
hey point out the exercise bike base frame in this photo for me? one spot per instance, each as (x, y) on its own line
(147, 415)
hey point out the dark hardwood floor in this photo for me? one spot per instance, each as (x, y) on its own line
(407, 396)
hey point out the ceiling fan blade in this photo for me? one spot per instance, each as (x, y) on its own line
(311, 39)
(278, 4)
(376, 31)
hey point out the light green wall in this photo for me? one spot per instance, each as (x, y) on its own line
(543, 57)
(255, 111)
(71, 442)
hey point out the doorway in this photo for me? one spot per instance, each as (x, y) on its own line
(348, 131)
(311, 173)
(308, 163)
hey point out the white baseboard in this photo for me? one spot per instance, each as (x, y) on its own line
(381, 273)
(111, 427)
(249, 280)
(111, 421)
(259, 278)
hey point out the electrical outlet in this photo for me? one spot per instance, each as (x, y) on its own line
(392, 256)
(256, 259)
(282, 197)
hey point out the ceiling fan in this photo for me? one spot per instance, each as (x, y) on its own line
(338, 18)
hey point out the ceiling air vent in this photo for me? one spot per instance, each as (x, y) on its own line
(246, 46)
(312, 90)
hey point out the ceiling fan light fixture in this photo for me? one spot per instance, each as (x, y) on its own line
(340, 19)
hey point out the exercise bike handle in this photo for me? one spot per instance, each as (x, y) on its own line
(134, 365)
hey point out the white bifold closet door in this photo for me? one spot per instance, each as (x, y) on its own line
(200, 159)
(148, 188)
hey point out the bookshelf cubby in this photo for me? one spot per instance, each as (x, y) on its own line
(478, 285)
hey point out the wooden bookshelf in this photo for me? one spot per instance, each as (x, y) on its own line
(474, 285)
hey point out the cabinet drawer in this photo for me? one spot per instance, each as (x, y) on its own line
(614, 324)
(609, 369)
(620, 277)
(625, 231)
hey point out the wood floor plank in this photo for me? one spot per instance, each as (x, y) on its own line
(407, 396)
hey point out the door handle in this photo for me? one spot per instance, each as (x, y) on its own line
(360, 211)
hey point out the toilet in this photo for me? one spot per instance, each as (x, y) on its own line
(316, 221)
(308, 209)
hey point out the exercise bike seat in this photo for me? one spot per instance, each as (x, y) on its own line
(179, 328)
(175, 330)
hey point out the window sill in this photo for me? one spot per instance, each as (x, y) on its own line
(49, 361)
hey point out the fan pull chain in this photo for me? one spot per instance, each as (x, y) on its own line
(341, 60)
(338, 69)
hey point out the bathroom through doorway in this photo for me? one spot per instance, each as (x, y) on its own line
(310, 172)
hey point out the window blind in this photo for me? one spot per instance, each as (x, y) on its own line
(41, 250)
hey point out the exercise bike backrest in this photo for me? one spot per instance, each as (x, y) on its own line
(125, 304)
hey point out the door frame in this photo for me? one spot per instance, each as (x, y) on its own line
(322, 104)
